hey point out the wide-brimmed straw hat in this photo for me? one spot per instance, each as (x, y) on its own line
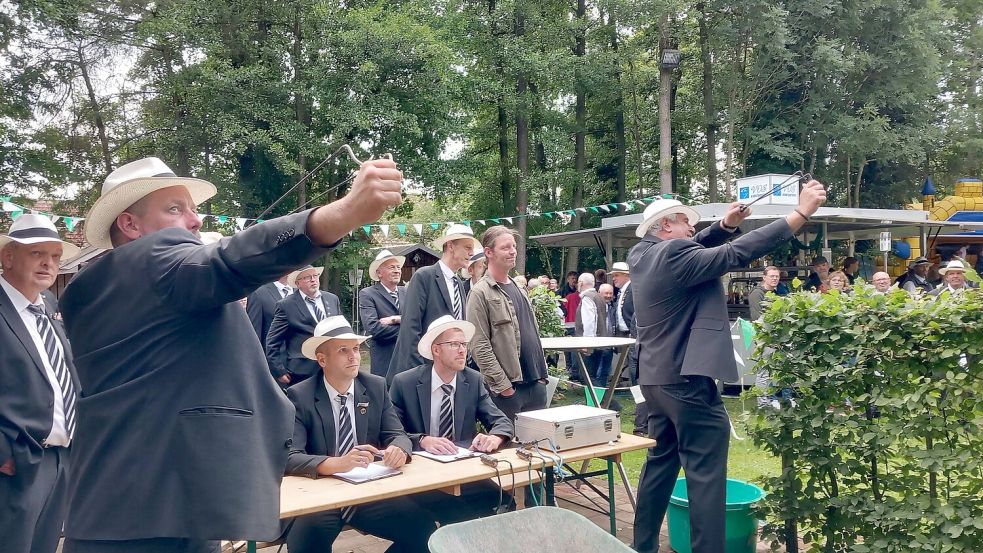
(31, 228)
(438, 327)
(619, 267)
(130, 183)
(456, 232)
(954, 265)
(292, 277)
(382, 257)
(661, 208)
(330, 328)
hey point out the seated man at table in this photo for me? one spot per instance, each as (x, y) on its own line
(343, 420)
(440, 403)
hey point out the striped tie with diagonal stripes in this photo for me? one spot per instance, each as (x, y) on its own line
(446, 413)
(346, 441)
(395, 299)
(456, 300)
(57, 360)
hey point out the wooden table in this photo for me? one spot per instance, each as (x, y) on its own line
(304, 496)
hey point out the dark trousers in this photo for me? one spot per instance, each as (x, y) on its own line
(33, 503)
(151, 545)
(528, 396)
(400, 520)
(691, 429)
(477, 499)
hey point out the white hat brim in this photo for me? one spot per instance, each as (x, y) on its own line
(689, 212)
(292, 277)
(310, 345)
(945, 270)
(68, 250)
(375, 264)
(439, 244)
(110, 205)
(423, 348)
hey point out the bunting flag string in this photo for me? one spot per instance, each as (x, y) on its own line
(565, 216)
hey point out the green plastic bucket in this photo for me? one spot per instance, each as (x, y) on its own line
(599, 392)
(741, 527)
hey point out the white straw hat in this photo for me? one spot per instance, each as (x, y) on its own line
(661, 208)
(954, 265)
(437, 327)
(31, 228)
(381, 258)
(456, 232)
(619, 267)
(292, 277)
(130, 183)
(330, 328)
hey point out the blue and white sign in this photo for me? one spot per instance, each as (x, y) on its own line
(749, 188)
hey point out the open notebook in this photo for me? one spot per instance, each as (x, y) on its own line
(462, 453)
(374, 471)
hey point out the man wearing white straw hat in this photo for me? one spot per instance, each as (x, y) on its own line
(344, 421)
(433, 292)
(684, 344)
(177, 401)
(954, 276)
(440, 404)
(379, 307)
(294, 319)
(39, 391)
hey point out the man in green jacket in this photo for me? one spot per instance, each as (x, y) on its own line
(506, 344)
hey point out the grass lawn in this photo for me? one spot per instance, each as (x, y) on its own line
(745, 461)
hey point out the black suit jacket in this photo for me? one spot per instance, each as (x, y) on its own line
(375, 303)
(410, 393)
(628, 310)
(260, 306)
(181, 431)
(681, 308)
(314, 425)
(292, 324)
(427, 299)
(26, 397)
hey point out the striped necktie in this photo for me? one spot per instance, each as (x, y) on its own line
(318, 313)
(47, 333)
(395, 297)
(456, 297)
(447, 413)
(346, 441)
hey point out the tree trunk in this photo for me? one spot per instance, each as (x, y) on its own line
(580, 128)
(856, 188)
(849, 183)
(636, 130)
(521, 148)
(300, 107)
(620, 141)
(665, 114)
(107, 157)
(709, 116)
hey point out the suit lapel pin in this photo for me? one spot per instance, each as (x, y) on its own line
(362, 408)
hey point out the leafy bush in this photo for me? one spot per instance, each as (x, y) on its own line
(544, 302)
(881, 445)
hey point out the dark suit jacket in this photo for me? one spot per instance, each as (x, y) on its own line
(181, 431)
(26, 397)
(260, 306)
(375, 303)
(628, 310)
(680, 305)
(427, 299)
(314, 425)
(292, 324)
(410, 395)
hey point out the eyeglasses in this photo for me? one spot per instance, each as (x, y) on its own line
(307, 278)
(454, 345)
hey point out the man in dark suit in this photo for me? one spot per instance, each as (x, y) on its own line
(294, 320)
(684, 343)
(344, 420)
(440, 405)
(433, 291)
(39, 392)
(379, 307)
(261, 304)
(176, 399)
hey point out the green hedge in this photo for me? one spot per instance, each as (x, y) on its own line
(881, 445)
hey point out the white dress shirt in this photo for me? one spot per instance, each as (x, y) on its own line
(588, 315)
(436, 396)
(59, 434)
(283, 289)
(310, 308)
(336, 409)
(622, 324)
